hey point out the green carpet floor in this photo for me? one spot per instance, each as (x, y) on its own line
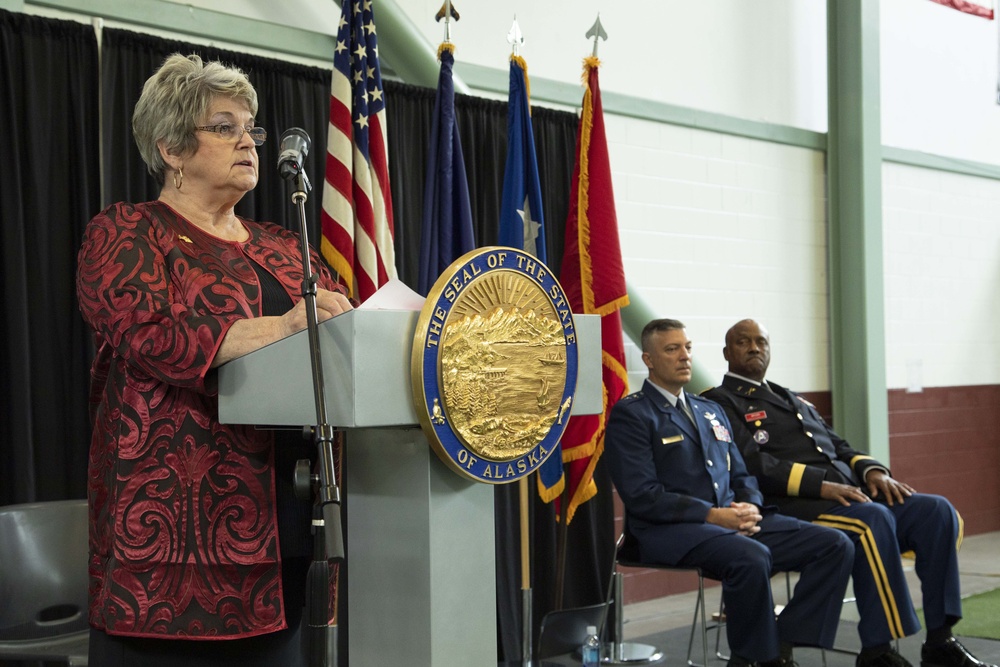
(980, 616)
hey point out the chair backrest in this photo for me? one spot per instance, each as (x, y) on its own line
(564, 630)
(627, 548)
(43, 570)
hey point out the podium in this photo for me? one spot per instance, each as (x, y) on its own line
(421, 583)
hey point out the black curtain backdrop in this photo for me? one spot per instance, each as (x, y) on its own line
(48, 191)
(57, 152)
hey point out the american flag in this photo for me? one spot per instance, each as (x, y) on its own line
(357, 204)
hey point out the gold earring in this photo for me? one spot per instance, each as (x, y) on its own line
(179, 178)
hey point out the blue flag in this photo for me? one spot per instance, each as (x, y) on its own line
(446, 232)
(522, 223)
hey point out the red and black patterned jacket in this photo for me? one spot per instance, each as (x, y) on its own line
(183, 528)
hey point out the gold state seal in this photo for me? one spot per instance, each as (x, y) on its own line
(494, 364)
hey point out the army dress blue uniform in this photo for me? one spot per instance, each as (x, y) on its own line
(670, 472)
(792, 451)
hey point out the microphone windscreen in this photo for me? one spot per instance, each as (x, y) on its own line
(293, 150)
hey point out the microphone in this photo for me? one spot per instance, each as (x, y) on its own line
(294, 149)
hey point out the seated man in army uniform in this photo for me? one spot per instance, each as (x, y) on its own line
(810, 472)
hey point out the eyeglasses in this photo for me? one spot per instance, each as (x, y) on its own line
(232, 132)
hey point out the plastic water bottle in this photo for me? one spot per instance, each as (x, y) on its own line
(591, 649)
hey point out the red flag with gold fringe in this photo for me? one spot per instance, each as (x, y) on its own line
(594, 281)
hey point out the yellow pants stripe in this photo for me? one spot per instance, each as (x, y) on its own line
(874, 562)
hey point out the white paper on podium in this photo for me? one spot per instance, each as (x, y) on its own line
(394, 295)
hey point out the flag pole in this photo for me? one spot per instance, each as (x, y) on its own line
(597, 33)
(527, 624)
(561, 538)
(515, 39)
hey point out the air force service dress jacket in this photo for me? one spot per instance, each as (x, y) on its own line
(670, 472)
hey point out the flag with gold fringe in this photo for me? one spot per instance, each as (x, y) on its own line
(522, 223)
(357, 226)
(594, 281)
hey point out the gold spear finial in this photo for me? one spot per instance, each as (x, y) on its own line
(447, 12)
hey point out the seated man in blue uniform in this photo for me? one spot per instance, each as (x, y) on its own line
(690, 501)
(810, 472)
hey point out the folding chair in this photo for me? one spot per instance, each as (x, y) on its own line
(627, 653)
(43, 582)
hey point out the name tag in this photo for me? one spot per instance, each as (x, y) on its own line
(754, 416)
(672, 439)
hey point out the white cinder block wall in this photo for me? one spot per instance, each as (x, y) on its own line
(715, 228)
(942, 277)
(941, 230)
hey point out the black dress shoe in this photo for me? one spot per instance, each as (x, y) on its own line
(739, 661)
(888, 658)
(949, 654)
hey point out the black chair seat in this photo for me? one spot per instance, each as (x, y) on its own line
(627, 555)
(43, 582)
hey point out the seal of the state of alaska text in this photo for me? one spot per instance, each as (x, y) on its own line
(494, 364)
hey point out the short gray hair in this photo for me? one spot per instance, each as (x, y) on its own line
(176, 98)
(656, 326)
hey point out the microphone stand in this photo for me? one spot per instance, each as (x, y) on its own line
(328, 537)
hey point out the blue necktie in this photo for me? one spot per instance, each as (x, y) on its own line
(686, 409)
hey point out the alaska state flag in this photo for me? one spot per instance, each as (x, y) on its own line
(522, 223)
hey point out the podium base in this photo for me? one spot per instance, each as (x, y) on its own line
(423, 557)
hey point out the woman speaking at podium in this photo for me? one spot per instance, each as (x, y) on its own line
(198, 548)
